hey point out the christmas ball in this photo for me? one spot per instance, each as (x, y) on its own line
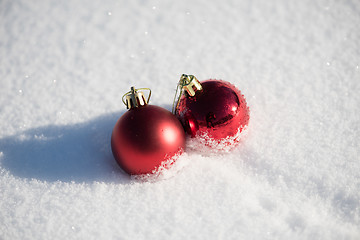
(213, 110)
(146, 136)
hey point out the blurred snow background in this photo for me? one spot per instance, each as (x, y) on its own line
(64, 66)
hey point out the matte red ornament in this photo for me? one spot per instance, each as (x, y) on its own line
(146, 136)
(214, 110)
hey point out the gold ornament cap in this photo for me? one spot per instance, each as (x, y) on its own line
(135, 99)
(188, 84)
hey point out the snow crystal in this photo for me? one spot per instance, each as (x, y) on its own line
(207, 145)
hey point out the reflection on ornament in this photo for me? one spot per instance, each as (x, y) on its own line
(213, 110)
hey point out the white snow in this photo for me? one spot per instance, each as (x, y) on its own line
(64, 66)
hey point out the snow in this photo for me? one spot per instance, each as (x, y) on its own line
(65, 65)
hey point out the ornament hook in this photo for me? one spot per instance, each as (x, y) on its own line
(188, 83)
(134, 98)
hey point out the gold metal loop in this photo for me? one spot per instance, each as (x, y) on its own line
(133, 92)
(188, 83)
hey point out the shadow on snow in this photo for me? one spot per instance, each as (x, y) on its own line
(79, 152)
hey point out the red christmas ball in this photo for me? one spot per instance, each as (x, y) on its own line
(217, 112)
(145, 137)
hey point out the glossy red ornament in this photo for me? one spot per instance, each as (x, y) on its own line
(217, 111)
(146, 136)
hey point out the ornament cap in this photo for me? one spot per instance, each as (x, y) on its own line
(190, 84)
(134, 98)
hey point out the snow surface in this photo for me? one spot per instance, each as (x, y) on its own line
(64, 66)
